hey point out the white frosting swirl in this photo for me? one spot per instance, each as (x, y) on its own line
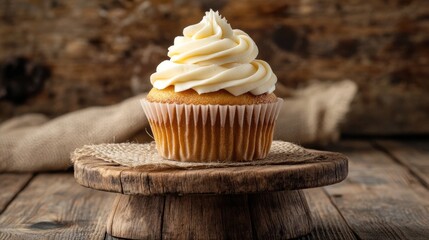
(211, 56)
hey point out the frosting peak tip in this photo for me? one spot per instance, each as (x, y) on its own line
(212, 15)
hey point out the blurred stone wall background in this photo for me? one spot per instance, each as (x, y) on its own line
(59, 56)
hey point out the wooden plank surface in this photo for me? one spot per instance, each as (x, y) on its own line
(380, 199)
(11, 184)
(327, 220)
(412, 154)
(383, 198)
(54, 206)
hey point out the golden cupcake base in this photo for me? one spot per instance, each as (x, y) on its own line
(212, 133)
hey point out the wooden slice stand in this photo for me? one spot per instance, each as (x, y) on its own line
(252, 202)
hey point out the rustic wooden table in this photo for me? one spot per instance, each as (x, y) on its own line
(386, 196)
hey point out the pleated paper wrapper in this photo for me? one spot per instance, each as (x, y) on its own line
(212, 133)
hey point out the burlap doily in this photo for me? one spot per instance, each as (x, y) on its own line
(137, 155)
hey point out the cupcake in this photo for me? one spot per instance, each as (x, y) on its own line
(213, 101)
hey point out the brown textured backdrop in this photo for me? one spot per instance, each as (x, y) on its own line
(59, 56)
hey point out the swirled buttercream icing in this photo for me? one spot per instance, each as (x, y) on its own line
(211, 56)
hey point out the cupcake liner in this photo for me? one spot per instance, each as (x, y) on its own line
(212, 133)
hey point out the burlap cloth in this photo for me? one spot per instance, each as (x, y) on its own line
(33, 142)
(146, 155)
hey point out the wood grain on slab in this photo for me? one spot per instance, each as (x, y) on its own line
(54, 206)
(276, 215)
(323, 169)
(207, 209)
(109, 179)
(207, 217)
(412, 154)
(10, 185)
(380, 199)
(280, 215)
(136, 217)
